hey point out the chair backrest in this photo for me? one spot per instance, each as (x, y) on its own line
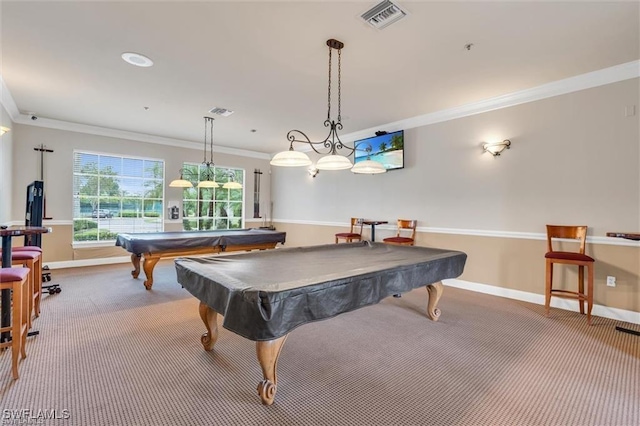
(567, 232)
(404, 224)
(356, 222)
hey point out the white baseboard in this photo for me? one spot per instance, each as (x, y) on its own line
(88, 262)
(538, 299)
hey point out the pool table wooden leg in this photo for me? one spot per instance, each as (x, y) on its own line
(210, 319)
(135, 260)
(148, 264)
(268, 353)
(435, 290)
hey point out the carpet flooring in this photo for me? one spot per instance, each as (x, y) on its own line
(111, 353)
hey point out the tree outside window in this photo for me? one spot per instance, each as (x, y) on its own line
(212, 208)
(115, 194)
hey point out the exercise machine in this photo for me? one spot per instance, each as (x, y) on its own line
(33, 217)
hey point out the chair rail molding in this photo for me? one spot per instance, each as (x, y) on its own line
(473, 232)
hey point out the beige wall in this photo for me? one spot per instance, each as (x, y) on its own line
(575, 159)
(6, 149)
(511, 263)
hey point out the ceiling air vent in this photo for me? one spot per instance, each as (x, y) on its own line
(221, 111)
(383, 14)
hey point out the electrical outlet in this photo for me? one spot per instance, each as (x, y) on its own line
(630, 111)
(611, 281)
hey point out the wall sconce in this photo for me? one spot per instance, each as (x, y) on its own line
(496, 148)
(4, 130)
(313, 172)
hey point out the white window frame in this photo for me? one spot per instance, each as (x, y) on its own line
(189, 216)
(80, 214)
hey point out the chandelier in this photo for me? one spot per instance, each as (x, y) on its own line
(207, 175)
(331, 145)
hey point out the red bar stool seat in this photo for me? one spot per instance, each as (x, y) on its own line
(27, 248)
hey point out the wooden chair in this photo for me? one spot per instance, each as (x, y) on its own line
(403, 227)
(16, 280)
(569, 258)
(352, 235)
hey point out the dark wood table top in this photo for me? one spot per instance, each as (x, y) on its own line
(635, 236)
(374, 222)
(16, 231)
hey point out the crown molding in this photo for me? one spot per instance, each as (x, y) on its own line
(589, 80)
(49, 123)
(7, 101)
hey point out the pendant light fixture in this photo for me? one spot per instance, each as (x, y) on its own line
(182, 182)
(207, 175)
(231, 183)
(333, 160)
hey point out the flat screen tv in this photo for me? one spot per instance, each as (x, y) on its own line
(387, 149)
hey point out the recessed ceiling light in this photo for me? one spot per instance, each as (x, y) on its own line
(137, 59)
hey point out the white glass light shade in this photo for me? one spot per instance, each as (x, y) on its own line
(496, 148)
(368, 167)
(334, 162)
(232, 185)
(180, 183)
(208, 184)
(4, 130)
(291, 159)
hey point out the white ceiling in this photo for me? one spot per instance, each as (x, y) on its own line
(268, 61)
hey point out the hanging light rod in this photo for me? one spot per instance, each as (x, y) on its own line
(207, 175)
(330, 146)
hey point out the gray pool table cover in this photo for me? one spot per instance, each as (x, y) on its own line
(265, 295)
(158, 241)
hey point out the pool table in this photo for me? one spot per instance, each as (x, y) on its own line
(153, 246)
(265, 295)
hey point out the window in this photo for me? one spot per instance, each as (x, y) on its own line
(212, 208)
(116, 194)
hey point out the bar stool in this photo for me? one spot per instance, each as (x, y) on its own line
(16, 280)
(569, 258)
(31, 259)
(37, 291)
